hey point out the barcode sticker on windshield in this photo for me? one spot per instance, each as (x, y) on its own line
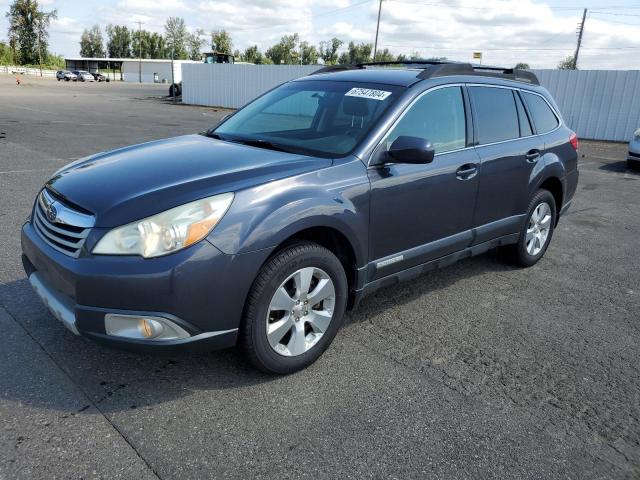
(367, 93)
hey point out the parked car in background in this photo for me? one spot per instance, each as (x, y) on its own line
(84, 76)
(633, 159)
(98, 77)
(264, 229)
(66, 75)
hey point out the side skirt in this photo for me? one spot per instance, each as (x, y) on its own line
(441, 262)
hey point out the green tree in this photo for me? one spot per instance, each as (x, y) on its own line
(522, 66)
(118, 41)
(384, 56)
(6, 54)
(356, 53)
(195, 42)
(91, 43)
(156, 46)
(28, 30)
(176, 37)
(329, 50)
(254, 55)
(568, 63)
(139, 44)
(309, 53)
(285, 51)
(221, 42)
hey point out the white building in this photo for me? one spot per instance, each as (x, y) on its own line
(152, 71)
(131, 69)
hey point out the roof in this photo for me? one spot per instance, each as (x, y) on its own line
(416, 70)
(403, 77)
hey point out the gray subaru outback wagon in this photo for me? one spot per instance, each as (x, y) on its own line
(264, 229)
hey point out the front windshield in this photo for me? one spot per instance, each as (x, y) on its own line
(315, 117)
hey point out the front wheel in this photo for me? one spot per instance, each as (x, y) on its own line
(537, 230)
(294, 309)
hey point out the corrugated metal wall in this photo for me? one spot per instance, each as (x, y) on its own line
(596, 104)
(232, 86)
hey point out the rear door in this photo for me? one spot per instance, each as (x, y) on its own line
(509, 153)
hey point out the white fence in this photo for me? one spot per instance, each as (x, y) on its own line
(596, 104)
(27, 71)
(233, 85)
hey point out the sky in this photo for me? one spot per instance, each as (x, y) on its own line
(538, 32)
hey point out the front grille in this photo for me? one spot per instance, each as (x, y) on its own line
(63, 228)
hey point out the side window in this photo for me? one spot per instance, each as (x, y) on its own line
(496, 114)
(525, 126)
(437, 116)
(543, 117)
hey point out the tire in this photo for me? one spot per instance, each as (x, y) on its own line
(522, 253)
(304, 332)
(633, 164)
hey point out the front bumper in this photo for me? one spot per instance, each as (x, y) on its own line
(199, 288)
(634, 150)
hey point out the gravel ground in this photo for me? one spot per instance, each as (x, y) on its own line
(480, 370)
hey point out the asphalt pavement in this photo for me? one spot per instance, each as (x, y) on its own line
(480, 370)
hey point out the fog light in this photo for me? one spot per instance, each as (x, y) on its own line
(149, 328)
(143, 327)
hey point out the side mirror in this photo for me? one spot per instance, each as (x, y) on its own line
(411, 150)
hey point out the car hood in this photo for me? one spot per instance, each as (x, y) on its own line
(134, 182)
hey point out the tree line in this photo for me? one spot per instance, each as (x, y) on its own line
(29, 41)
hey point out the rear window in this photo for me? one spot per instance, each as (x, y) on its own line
(496, 114)
(543, 117)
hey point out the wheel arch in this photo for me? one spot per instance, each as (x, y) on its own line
(554, 185)
(333, 240)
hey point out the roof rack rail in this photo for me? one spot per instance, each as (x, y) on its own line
(437, 68)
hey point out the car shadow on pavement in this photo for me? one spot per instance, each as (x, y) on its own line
(116, 381)
(113, 380)
(620, 167)
(429, 283)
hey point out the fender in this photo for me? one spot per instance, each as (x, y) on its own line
(550, 166)
(264, 216)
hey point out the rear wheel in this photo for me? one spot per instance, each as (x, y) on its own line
(537, 230)
(294, 309)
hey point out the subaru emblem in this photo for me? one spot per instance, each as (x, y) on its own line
(52, 213)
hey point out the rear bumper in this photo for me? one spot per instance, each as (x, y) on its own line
(199, 289)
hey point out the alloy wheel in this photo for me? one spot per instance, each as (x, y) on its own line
(538, 228)
(300, 311)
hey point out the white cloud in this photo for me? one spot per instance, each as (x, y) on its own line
(506, 31)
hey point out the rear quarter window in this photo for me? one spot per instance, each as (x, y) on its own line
(543, 117)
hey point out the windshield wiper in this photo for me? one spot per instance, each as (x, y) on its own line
(256, 142)
(212, 134)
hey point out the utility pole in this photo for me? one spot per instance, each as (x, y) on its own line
(39, 53)
(173, 81)
(580, 31)
(375, 45)
(139, 51)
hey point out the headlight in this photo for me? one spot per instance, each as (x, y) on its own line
(166, 232)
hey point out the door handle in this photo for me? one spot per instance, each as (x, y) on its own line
(533, 156)
(467, 171)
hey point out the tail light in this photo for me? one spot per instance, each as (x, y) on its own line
(573, 140)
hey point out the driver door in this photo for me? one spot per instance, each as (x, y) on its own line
(425, 211)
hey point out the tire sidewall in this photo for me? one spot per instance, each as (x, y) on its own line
(318, 257)
(523, 255)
